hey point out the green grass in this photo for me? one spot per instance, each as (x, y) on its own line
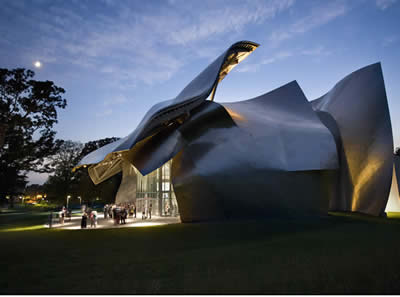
(332, 255)
(20, 218)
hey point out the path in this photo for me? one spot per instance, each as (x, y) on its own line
(102, 223)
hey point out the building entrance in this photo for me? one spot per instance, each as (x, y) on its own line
(156, 189)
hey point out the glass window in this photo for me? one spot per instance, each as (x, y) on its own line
(165, 186)
(150, 186)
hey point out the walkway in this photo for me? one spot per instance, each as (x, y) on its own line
(102, 223)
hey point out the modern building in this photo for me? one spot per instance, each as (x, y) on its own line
(278, 154)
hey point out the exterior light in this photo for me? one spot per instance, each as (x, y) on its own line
(68, 197)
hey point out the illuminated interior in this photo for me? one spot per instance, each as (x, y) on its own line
(156, 188)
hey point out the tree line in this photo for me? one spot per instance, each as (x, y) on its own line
(28, 112)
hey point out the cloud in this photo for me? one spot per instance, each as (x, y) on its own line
(389, 40)
(128, 41)
(317, 51)
(248, 68)
(116, 100)
(282, 55)
(318, 16)
(104, 113)
(384, 4)
(227, 18)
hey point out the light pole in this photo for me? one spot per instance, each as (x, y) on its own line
(68, 197)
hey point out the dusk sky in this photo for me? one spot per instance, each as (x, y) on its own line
(116, 59)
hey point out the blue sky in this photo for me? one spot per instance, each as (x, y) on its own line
(116, 59)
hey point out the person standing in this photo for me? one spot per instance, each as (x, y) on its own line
(91, 219)
(84, 220)
(105, 211)
(150, 207)
(115, 216)
(95, 218)
(110, 213)
(134, 210)
(61, 215)
(123, 216)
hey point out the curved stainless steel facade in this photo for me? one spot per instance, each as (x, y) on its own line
(270, 155)
(363, 133)
(277, 154)
(177, 110)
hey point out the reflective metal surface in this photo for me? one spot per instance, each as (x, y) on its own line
(363, 132)
(270, 155)
(104, 170)
(127, 190)
(277, 154)
(178, 109)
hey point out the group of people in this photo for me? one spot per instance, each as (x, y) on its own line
(120, 212)
(90, 215)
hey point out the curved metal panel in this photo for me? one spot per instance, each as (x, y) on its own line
(155, 150)
(104, 170)
(359, 107)
(244, 159)
(100, 154)
(127, 190)
(176, 110)
(195, 198)
(284, 131)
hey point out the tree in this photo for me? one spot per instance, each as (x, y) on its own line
(105, 191)
(64, 182)
(61, 184)
(28, 111)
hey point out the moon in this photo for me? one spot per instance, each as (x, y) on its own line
(37, 64)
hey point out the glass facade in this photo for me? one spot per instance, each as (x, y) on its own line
(156, 188)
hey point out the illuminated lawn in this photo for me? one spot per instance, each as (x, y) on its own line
(336, 254)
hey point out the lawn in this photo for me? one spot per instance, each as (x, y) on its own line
(337, 254)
